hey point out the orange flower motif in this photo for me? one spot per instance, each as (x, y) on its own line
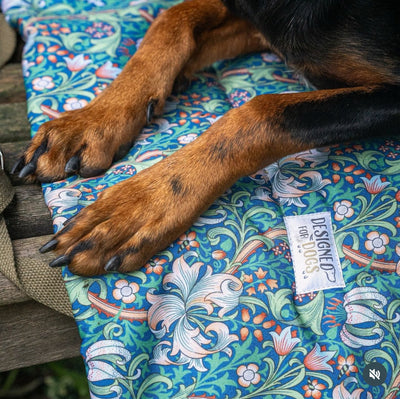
(156, 266)
(260, 273)
(244, 333)
(262, 287)
(218, 254)
(192, 117)
(313, 389)
(272, 283)
(245, 315)
(248, 278)
(188, 240)
(346, 365)
(259, 335)
(260, 318)
(52, 29)
(54, 51)
(348, 169)
(251, 291)
(268, 324)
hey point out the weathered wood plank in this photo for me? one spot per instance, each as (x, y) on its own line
(14, 125)
(12, 152)
(9, 293)
(27, 215)
(12, 87)
(31, 333)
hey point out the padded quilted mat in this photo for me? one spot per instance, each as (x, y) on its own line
(287, 287)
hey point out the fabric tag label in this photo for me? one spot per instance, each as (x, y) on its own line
(315, 259)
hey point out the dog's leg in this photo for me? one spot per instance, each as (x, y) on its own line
(233, 38)
(86, 141)
(160, 203)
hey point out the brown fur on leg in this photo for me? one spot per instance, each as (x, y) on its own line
(95, 134)
(162, 202)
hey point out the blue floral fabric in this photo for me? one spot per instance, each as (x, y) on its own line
(217, 314)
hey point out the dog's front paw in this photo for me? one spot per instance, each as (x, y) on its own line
(128, 224)
(84, 141)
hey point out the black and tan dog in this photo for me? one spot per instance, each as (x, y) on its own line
(348, 49)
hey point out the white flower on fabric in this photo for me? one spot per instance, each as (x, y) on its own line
(362, 305)
(340, 391)
(62, 198)
(179, 314)
(103, 357)
(108, 71)
(73, 103)
(343, 210)
(43, 83)
(125, 291)
(77, 63)
(248, 375)
(288, 186)
(188, 138)
(377, 242)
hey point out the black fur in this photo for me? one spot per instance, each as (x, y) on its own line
(366, 114)
(304, 32)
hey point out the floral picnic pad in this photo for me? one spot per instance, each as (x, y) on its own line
(218, 314)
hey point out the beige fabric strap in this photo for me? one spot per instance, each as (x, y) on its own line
(31, 275)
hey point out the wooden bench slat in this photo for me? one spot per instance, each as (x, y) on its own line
(32, 333)
(28, 215)
(12, 152)
(12, 87)
(9, 292)
(14, 124)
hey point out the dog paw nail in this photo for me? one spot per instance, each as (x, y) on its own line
(62, 260)
(27, 170)
(73, 164)
(113, 264)
(49, 246)
(150, 110)
(18, 166)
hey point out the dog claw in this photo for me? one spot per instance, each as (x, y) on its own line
(150, 110)
(113, 264)
(27, 170)
(17, 167)
(73, 164)
(30, 167)
(62, 260)
(49, 246)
